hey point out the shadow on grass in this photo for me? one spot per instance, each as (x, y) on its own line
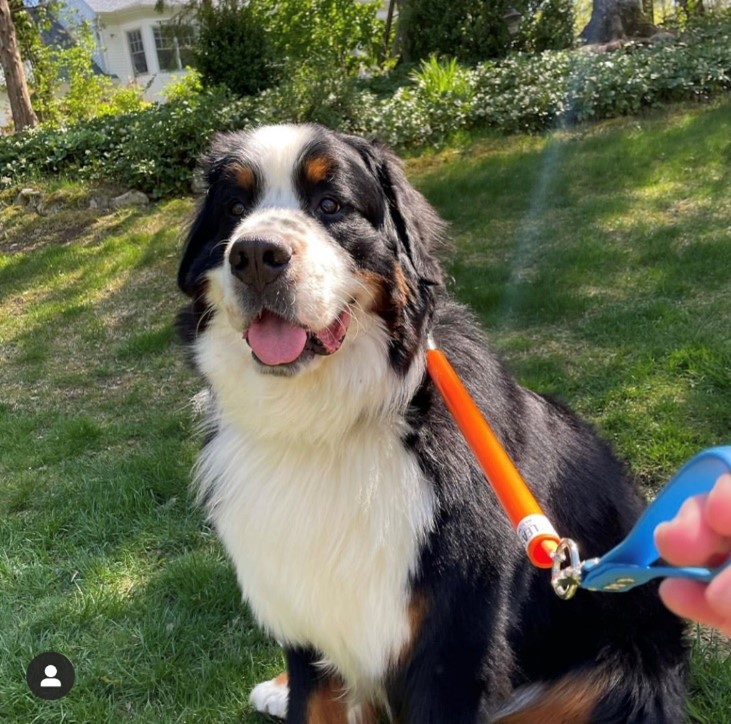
(597, 262)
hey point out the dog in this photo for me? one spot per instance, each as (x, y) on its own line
(363, 535)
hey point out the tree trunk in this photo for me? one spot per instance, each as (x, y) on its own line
(617, 19)
(398, 49)
(691, 8)
(387, 32)
(12, 65)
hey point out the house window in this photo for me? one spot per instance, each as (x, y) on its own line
(137, 51)
(174, 45)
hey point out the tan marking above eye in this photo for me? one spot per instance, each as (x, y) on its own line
(318, 169)
(241, 175)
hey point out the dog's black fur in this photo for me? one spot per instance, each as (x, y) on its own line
(493, 642)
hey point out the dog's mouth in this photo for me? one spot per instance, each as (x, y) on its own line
(276, 341)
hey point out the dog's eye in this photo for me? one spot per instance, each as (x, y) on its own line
(236, 208)
(329, 206)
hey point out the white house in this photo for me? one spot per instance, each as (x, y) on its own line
(135, 42)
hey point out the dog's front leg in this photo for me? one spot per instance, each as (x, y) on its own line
(315, 696)
(440, 681)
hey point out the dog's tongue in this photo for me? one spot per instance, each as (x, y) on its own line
(274, 340)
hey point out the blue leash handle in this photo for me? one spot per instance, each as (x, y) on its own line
(636, 559)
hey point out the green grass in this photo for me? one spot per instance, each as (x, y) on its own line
(598, 260)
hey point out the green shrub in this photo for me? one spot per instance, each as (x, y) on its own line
(86, 94)
(535, 92)
(548, 25)
(469, 30)
(187, 86)
(156, 149)
(153, 150)
(476, 30)
(335, 36)
(232, 47)
(436, 78)
(311, 95)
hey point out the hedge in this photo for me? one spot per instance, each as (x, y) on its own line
(155, 150)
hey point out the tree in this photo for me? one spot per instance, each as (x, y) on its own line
(340, 34)
(30, 23)
(232, 47)
(474, 30)
(387, 32)
(690, 8)
(249, 45)
(469, 30)
(12, 65)
(616, 20)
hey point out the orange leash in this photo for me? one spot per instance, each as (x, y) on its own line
(532, 526)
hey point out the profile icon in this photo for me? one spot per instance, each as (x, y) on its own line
(50, 679)
(50, 675)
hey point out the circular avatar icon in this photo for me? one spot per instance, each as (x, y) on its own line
(50, 675)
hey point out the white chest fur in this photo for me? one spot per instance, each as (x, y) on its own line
(319, 505)
(323, 538)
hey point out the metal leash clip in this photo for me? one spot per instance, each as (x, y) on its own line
(636, 559)
(566, 572)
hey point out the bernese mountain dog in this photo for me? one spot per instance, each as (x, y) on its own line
(363, 534)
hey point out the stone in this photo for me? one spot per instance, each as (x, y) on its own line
(661, 36)
(198, 184)
(48, 209)
(131, 198)
(102, 203)
(28, 197)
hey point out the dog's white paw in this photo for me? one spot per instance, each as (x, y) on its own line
(270, 697)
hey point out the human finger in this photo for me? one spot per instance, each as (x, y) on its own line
(718, 507)
(687, 539)
(718, 595)
(688, 599)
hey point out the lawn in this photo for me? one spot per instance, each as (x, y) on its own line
(598, 259)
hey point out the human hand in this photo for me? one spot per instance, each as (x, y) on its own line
(700, 534)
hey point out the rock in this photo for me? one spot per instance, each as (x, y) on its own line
(28, 197)
(100, 202)
(131, 198)
(46, 210)
(198, 184)
(661, 36)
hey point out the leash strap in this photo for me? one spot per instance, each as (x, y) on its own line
(631, 563)
(531, 525)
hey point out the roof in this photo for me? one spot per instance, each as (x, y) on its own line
(111, 6)
(55, 35)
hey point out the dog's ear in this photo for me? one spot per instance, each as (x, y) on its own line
(417, 226)
(202, 250)
(198, 250)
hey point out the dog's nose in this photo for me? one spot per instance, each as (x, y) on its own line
(258, 262)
